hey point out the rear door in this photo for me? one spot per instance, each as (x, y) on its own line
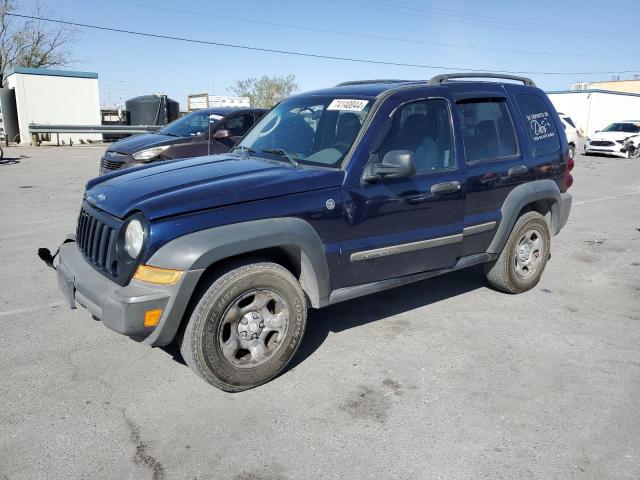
(495, 161)
(396, 227)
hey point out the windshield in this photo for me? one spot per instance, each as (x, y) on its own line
(623, 127)
(311, 130)
(192, 124)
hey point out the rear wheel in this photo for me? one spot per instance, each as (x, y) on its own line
(524, 256)
(246, 327)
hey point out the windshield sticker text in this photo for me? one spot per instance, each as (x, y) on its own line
(347, 104)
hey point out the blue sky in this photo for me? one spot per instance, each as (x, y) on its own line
(533, 36)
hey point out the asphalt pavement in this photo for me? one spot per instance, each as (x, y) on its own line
(442, 379)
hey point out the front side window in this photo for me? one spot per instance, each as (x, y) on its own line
(539, 124)
(239, 125)
(312, 130)
(423, 128)
(487, 129)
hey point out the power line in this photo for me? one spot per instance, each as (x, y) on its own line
(385, 7)
(305, 54)
(357, 34)
(562, 29)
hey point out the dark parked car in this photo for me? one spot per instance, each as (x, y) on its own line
(186, 137)
(332, 195)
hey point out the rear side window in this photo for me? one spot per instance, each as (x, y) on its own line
(539, 124)
(487, 129)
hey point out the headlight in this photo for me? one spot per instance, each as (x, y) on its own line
(588, 139)
(133, 238)
(149, 153)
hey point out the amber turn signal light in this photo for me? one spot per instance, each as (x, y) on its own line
(162, 276)
(152, 317)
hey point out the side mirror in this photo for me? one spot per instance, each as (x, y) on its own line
(221, 133)
(395, 164)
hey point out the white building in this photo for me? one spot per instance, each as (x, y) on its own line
(55, 97)
(593, 110)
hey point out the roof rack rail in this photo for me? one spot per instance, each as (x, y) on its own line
(366, 82)
(440, 79)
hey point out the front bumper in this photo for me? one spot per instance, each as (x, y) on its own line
(617, 150)
(122, 309)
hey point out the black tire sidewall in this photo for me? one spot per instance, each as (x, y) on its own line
(213, 365)
(525, 223)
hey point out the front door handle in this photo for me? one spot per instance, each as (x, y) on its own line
(444, 188)
(518, 171)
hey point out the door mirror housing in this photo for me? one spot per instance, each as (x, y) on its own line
(395, 164)
(221, 134)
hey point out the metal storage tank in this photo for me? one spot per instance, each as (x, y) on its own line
(152, 110)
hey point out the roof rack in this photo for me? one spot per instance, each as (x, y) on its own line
(440, 79)
(367, 82)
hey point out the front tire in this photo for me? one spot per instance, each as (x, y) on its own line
(246, 327)
(524, 256)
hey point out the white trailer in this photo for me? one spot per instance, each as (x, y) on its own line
(204, 100)
(593, 110)
(56, 97)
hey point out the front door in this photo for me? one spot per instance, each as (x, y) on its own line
(401, 226)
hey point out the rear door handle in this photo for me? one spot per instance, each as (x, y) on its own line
(517, 171)
(444, 188)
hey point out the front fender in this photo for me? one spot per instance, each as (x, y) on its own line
(201, 249)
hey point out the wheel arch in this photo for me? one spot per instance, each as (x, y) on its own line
(290, 242)
(542, 196)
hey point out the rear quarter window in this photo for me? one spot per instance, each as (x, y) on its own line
(539, 124)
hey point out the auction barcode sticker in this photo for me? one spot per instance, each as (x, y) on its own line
(348, 104)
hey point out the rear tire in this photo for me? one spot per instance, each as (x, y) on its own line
(524, 256)
(246, 327)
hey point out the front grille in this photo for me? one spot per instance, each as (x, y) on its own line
(97, 241)
(602, 143)
(113, 161)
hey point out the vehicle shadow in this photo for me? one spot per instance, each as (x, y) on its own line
(380, 306)
(372, 308)
(9, 161)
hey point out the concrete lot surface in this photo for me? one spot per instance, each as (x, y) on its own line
(443, 379)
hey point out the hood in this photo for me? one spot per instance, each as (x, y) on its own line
(186, 185)
(131, 145)
(611, 136)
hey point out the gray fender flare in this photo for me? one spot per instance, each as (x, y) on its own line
(201, 249)
(521, 196)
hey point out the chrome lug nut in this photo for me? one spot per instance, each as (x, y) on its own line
(244, 321)
(244, 334)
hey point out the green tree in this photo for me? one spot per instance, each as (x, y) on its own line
(266, 91)
(32, 43)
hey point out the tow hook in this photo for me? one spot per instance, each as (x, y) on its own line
(45, 254)
(46, 257)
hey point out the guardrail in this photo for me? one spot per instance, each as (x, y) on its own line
(35, 129)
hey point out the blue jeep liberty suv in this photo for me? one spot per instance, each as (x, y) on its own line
(333, 194)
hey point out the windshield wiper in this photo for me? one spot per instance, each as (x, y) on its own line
(282, 153)
(244, 151)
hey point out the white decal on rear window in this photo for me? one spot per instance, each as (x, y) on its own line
(348, 104)
(540, 125)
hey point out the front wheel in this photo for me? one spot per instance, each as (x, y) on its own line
(524, 256)
(246, 327)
